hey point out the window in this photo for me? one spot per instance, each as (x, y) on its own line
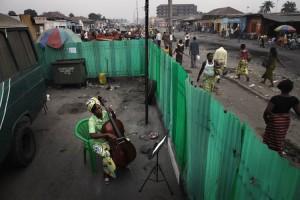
(7, 65)
(22, 49)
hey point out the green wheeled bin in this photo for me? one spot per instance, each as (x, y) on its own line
(69, 72)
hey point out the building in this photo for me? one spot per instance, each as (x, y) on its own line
(222, 18)
(162, 10)
(264, 24)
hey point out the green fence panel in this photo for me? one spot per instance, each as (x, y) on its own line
(197, 136)
(179, 76)
(223, 156)
(116, 58)
(263, 174)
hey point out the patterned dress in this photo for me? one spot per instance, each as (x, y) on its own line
(101, 146)
(270, 67)
(242, 68)
(209, 79)
(278, 122)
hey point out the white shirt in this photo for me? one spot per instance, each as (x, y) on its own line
(86, 35)
(158, 36)
(187, 37)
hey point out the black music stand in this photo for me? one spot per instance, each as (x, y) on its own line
(156, 168)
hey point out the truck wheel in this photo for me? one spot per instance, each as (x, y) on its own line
(24, 146)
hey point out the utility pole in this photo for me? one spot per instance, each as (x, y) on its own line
(170, 25)
(146, 58)
(137, 12)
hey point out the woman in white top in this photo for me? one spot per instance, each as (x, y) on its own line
(208, 69)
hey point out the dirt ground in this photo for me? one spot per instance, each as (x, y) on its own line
(58, 171)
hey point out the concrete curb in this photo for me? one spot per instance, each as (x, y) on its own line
(247, 88)
(255, 93)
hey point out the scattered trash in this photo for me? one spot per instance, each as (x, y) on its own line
(112, 87)
(260, 86)
(48, 97)
(267, 95)
(84, 96)
(276, 81)
(252, 85)
(153, 135)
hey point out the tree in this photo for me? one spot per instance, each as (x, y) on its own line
(289, 7)
(95, 17)
(71, 15)
(266, 7)
(12, 13)
(30, 12)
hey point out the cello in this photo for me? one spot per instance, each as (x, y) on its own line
(122, 150)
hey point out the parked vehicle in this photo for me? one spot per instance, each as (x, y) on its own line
(22, 92)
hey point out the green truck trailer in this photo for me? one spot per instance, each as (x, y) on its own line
(22, 92)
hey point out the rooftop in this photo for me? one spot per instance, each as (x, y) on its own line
(54, 15)
(224, 11)
(9, 22)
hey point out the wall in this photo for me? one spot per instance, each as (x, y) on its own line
(254, 25)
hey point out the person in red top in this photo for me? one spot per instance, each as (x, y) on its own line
(242, 68)
(277, 116)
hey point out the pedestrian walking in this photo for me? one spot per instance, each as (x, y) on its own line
(231, 32)
(166, 49)
(242, 68)
(270, 65)
(158, 38)
(194, 51)
(277, 116)
(238, 33)
(165, 39)
(208, 69)
(179, 51)
(220, 57)
(262, 41)
(187, 40)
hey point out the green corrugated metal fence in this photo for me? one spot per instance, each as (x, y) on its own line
(219, 156)
(118, 58)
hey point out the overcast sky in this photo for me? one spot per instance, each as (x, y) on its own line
(124, 8)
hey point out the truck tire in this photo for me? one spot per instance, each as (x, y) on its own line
(24, 146)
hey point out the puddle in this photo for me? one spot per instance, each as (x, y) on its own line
(72, 108)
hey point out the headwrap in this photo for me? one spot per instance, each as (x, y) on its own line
(91, 102)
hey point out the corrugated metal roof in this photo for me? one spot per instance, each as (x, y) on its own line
(224, 11)
(9, 22)
(282, 18)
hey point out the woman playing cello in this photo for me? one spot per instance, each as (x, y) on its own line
(100, 140)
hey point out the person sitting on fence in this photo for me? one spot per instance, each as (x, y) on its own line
(100, 140)
(209, 70)
(277, 116)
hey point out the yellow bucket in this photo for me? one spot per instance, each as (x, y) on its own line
(102, 79)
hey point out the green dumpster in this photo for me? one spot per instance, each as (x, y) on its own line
(69, 71)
